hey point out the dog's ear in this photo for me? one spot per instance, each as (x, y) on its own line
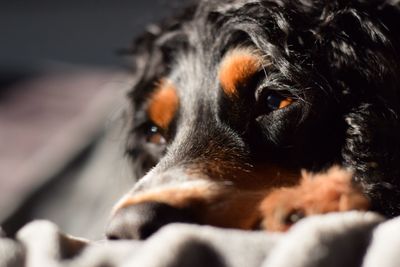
(368, 82)
(371, 149)
(389, 16)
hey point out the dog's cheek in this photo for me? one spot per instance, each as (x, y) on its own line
(236, 211)
(276, 207)
(278, 126)
(332, 191)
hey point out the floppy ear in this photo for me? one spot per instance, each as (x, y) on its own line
(389, 15)
(372, 150)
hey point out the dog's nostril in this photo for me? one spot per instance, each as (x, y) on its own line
(142, 220)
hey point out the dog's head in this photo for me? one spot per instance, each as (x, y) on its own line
(234, 98)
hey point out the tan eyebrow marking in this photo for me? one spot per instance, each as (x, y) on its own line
(163, 104)
(237, 67)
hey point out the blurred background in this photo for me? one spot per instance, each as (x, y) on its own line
(62, 89)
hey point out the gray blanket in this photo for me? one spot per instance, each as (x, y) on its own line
(341, 239)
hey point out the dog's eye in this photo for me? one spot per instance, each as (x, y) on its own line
(276, 101)
(154, 135)
(293, 217)
(269, 100)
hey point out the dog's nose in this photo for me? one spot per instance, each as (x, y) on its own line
(142, 220)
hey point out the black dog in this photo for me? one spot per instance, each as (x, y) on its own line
(233, 98)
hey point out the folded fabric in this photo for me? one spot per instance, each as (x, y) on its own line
(337, 239)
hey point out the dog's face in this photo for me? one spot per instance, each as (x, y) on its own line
(234, 98)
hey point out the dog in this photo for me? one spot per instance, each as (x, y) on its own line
(232, 99)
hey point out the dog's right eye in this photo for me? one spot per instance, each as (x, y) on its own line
(276, 101)
(154, 135)
(268, 101)
(293, 217)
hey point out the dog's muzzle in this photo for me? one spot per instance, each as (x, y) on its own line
(155, 201)
(180, 196)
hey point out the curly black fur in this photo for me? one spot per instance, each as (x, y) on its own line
(339, 58)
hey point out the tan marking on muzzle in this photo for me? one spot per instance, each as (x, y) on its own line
(176, 197)
(316, 194)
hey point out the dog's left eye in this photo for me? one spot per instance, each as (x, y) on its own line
(154, 135)
(276, 101)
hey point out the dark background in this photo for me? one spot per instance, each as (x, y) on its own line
(57, 58)
(36, 33)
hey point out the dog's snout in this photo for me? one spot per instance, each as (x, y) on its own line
(140, 221)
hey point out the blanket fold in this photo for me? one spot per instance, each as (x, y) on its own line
(337, 239)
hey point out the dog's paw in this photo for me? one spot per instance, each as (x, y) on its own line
(332, 191)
